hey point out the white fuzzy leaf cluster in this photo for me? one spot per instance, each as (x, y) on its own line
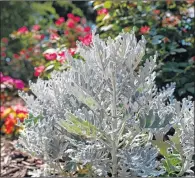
(103, 112)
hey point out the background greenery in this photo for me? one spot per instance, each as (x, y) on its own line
(170, 32)
(166, 25)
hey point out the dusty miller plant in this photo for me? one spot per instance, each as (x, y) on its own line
(105, 115)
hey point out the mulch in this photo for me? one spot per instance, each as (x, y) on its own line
(15, 163)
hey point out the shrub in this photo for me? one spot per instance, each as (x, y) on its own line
(37, 55)
(103, 114)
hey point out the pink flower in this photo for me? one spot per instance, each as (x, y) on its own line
(66, 32)
(70, 15)
(70, 23)
(36, 27)
(19, 108)
(61, 57)
(86, 40)
(77, 19)
(103, 11)
(50, 56)
(4, 40)
(23, 30)
(87, 29)
(60, 21)
(6, 79)
(3, 48)
(54, 36)
(61, 54)
(19, 84)
(1, 75)
(144, 29)
(79, 28)
(38, 70)
(72, 51)
(23, 51)
(39, 36)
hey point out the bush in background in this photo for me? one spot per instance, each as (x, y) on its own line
(36, 55)
(168, 29)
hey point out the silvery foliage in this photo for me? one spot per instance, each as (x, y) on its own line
(103, 112)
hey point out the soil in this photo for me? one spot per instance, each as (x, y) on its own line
(15, 163)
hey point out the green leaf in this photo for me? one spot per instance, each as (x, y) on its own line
(78, 126)
(156, 41)
(163, 146)
(181, 91)
(139, 8)
(191, 90)
(71, 167)
(108, 4)
(180, 50)
(152, 120)
(49, 67)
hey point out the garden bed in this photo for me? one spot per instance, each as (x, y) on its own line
(15, 163)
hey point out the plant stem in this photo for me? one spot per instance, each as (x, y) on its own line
(114, 127)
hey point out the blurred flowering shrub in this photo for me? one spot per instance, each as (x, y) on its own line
(9, 117)
(40, 51)
(168, 29)
(9, 87)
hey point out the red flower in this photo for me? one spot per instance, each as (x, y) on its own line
(4, 40)
(86, 40)
(19, 84)
(60, 21)
(36, 27)
(30, 49)
(16, 56)
(9, 124)
(27, 56)
(3, 54)
(73, 17)
(66, 32)
(23, 30)
(157, 12)
(87, 29)
(50, 56)
(144, 29)
(103, 11)
(38, 70)
(70, 23)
